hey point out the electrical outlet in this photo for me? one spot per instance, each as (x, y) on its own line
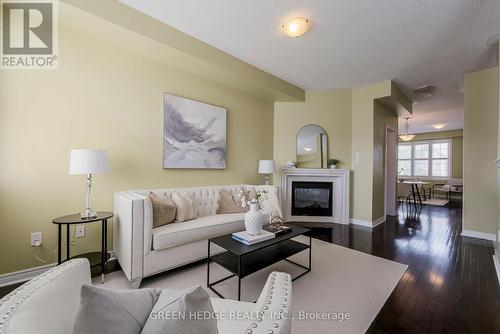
(36, 239)
(80, 231)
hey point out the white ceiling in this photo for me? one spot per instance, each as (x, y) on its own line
(352, 43)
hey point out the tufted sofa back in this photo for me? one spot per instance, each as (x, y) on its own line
(206, 199)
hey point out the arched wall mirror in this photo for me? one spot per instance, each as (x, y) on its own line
(312, 147)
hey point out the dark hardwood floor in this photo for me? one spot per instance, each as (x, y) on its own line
(450, 285)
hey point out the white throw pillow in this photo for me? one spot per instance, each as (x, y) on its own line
(182, 311)
(185, 207)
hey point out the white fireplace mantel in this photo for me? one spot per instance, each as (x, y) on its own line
(340, 188)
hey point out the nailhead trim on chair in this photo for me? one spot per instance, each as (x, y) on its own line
(33, 285)
(253, 326)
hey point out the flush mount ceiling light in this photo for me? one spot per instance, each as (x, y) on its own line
(296, 27)
(308, 149)
(407, 135)
(439, 126)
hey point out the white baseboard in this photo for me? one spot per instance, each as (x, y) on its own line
(479, 235)
(367, 223)
(361, 222)
(112, 255)
(27, 274)
(23, 275)
(379, 221)
(497, 267)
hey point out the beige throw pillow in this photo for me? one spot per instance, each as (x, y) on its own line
(164, 209)
(185, 207)
(229, 204)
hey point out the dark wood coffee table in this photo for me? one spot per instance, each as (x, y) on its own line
(243, 260)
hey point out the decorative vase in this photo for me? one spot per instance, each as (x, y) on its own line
(333, 166)
(254, 220)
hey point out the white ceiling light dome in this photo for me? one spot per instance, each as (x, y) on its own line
(439, 125)
(296, 27)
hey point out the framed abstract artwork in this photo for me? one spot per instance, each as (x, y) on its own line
(194, 134)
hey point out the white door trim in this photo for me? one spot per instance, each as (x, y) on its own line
(389, 128)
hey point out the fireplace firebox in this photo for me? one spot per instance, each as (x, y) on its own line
(312, 199)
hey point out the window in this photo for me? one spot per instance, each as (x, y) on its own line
(425, 159)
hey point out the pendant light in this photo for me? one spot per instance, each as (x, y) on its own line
(407, 135)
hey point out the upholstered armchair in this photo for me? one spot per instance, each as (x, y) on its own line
(451, 186)
(48, 304)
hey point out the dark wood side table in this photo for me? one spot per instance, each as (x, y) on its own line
(95, 258)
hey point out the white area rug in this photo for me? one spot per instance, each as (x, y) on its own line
(341, 280)
(436, 202)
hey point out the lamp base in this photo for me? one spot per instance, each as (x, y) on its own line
(88, 214)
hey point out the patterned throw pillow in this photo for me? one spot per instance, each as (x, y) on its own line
(271, 204)
(185, 207)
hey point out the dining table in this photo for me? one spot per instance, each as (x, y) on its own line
(415, 191)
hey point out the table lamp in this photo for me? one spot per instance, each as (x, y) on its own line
(266, 167)
(88, 162)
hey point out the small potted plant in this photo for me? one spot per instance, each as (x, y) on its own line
(333, 163)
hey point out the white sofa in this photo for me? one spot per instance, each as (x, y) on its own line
(48, 304)
(143, 251)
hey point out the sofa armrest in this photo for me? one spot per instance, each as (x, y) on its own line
(128, 233)
(48, 303)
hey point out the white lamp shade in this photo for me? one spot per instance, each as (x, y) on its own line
(266, 167)
(86, 161)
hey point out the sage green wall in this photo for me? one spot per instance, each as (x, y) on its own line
(367, 193)
(110, 98)
(329, 109)
(383, 116)
(457, 142)
(363, 105)
(480, 150)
